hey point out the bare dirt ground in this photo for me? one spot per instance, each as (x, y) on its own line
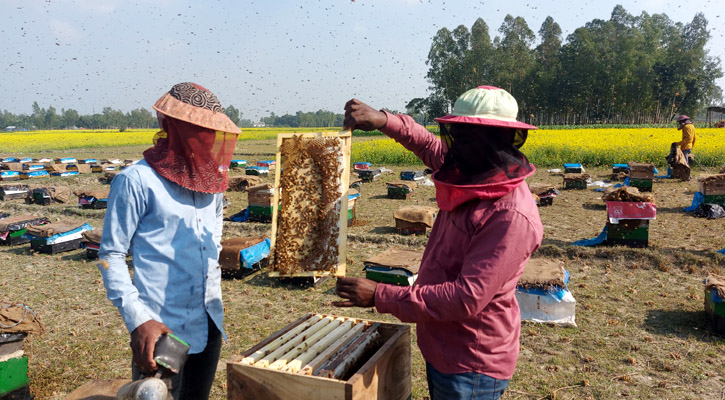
(641, 333)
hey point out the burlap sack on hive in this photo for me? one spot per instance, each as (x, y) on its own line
(716, 282)
(627, 193)
(397, 258)
(542, 273)
(18, 318)
(98, 193)
(59, 194)
(229, 257)
(92, 236)
(416, 214)
(54, 228)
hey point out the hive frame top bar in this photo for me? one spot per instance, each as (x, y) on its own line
(345, 136)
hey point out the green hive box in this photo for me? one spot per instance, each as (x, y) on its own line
(260, 213)
(395, 192)
(13, 375)
(575, 185)
(644, 185)
(715, 199)
(390, 277)
(715, 311)
(630, 232)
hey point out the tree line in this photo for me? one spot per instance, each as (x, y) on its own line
(108, 118)
(50, 118)
(627, 69)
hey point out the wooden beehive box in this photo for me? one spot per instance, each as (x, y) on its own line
(712, 185)
(575, 181)
(309, 220)
(641, 170)
(384, 375)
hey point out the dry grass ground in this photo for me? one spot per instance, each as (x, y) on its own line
(641, 330)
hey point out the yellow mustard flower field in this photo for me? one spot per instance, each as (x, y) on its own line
(590, 147)
(545, 148)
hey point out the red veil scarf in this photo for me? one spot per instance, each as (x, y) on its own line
(194, 157)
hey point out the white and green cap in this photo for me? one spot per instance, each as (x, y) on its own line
(486, 105)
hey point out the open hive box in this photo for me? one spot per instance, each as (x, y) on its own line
(325, 357)
(309, 223)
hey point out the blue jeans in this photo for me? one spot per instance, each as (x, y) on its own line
(468, 385)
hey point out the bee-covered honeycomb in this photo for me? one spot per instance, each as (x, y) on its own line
(308, 231)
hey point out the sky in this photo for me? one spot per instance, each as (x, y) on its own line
(260, 56)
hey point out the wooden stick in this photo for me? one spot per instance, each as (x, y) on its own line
(281, 362)
(271, 357)
(333, 348)
(269, 347)
(295, 365)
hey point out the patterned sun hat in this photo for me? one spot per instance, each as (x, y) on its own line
(193, 103)
(486, 105)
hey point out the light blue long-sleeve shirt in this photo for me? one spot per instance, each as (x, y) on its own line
(174, 236)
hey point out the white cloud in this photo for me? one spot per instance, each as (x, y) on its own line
(64, 31)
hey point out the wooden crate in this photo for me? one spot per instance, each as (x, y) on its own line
(385, 375)
(339, 211)
(641, 170)
(710, 185)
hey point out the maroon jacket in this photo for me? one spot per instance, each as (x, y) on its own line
(464, 301)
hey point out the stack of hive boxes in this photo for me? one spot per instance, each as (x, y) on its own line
(56, 237)
(260, 202)
(713, 188)
(641, 176)
(13, 229)
(628, 217)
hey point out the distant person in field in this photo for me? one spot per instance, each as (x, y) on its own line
(167, 211)
(688, 136)
(464, 303)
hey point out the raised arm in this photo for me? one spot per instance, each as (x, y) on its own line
(402, 128)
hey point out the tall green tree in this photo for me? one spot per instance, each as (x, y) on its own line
(233, 113)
